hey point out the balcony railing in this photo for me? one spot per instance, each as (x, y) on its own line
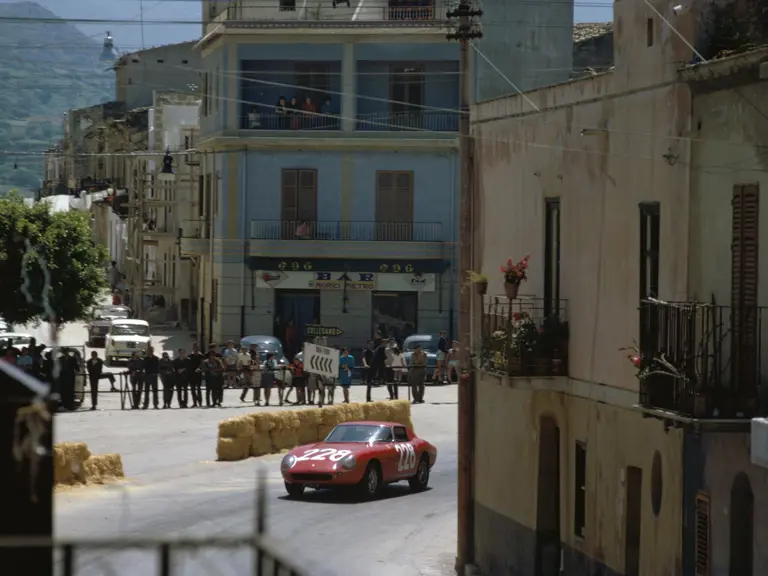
(700, 360)
(194, 229)
(297, 121)
(355, 13)
(521, 339)
(347, 231)
(409, 121)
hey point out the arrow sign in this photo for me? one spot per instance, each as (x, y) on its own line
(321, 360)
(320, 330)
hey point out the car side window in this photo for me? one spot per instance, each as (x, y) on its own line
(401, 435)
(385, 435)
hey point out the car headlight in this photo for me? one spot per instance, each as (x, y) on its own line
(348, 462)
(288, 462)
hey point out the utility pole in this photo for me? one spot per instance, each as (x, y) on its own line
(466, 31)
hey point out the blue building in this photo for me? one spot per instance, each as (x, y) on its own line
(330, 170)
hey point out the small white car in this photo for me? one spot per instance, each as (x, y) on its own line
(20, 340)
(124, 338)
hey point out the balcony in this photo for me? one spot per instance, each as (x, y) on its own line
(521, 338)
(700, 360)
(194, 237)
(409, 121)
(408, 240)
(290, 123)
(319, 14)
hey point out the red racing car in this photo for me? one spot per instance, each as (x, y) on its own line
(360, 455)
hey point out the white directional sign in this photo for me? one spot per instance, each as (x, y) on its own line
(321, 360)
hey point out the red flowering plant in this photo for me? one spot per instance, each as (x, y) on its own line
(514, 273)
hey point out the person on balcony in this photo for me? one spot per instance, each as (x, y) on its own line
(327, 119)
(281, 111)
(302, 231)
(293, 113)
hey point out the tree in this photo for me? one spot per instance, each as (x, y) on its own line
(35, 243)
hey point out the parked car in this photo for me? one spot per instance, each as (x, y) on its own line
(360, 455)
(79, 353)
(428, 344)
(20, 339)
(266, 345)
(101, 319)
(124, 338)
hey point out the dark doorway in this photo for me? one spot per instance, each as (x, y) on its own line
(742, 526)
(294, 309)
(395, 314)
(633, 521)
(548, 499)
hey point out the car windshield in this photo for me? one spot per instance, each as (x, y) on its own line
(110, 312)
(358, 433)
(426, 344)
(130, 330)
(17, 340)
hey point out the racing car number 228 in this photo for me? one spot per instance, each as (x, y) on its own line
(326, 453)
(407, 457)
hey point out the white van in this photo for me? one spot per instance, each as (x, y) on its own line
(124, 338)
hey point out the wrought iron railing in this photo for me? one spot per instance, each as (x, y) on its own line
(525, 337)
(347, 231)
(297, 120)
(415, 120)
(700, 360)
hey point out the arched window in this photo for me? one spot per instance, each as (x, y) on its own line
(742, 526)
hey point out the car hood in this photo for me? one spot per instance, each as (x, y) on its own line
(130, 338)
(324, 456)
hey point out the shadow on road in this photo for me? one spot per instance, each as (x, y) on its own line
(388, 492)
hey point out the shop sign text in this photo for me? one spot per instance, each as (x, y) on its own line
(331, 281)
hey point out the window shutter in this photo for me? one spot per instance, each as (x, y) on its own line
(403, 206)
(289, 198)
(306, 198)
(744, 279)
(702, 526)
(384, 205)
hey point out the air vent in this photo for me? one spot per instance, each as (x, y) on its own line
(703, 525)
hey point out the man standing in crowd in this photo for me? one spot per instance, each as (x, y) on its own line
(94, 367)
(196, 376)
(442, 353)
(151, 372)
(418, 374)
(67, 375)
(244, 371)
(346, 365)
(368, 369)
(181, 368)
(167, 379)
(212, 377)
(136, 376)
(256, 373)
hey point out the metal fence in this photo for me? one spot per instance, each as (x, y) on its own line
(65, 554)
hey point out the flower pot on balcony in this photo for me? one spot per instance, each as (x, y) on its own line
(511, 289)
(481, 287)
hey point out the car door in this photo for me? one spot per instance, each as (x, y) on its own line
(386, 453)
(406, 453)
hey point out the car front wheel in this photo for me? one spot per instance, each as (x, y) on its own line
(419, 481)
(371, 483)
(294, 490)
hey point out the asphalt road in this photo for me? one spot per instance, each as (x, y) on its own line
(174, 487)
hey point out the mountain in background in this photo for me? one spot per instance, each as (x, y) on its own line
(45, 69)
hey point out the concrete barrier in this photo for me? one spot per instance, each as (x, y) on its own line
(74, 464)
(263, 433)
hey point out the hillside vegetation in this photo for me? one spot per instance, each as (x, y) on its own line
(46, 68)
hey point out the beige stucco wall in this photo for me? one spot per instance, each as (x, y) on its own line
(506, 470)
(600, 177)
(729, 150)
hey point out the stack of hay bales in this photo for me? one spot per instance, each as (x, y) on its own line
(73, 464)
(263, 433)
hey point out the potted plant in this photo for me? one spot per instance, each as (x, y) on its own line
(553, 343)
(480, 281)
(522, 343)
(514, 274)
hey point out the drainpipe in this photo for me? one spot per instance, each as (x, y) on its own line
(243, 207)
(211, 203)
(452, 254)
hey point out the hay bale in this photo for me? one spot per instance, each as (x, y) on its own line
(285, 434)
(68, 459)
(399, 411)
(232, 449)
(331, 415)
(262, 421)
(103, 467)
(323, 430)
(377, 411)
(353, 412)
(236, 427)
(308, 423)
(261, 444)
